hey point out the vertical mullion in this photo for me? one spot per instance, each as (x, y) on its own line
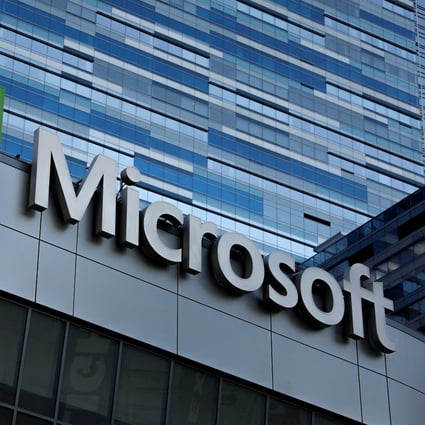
(116, 383)
(61, 367)
(266, 421)
(21, 366)
(170, 383)
(220, 384)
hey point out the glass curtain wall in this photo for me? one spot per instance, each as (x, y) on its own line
(288, 121)
(56, 372)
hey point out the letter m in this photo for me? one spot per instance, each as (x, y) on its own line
(48, 157)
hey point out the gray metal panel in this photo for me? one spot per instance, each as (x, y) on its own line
(124, 304)
(18, 263)
(374, 395)
(331, 340)
(224, 342)
(112, 298)
(370, 358)
(14, 211)
(55, 230)
(204, 289)
(127, 260)
(55, 283)
(316, 377)
(407, 405)
(406, 364)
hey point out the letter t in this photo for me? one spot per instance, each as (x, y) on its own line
(377, 304)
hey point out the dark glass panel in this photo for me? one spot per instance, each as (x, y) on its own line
(12, 329)
(194, 397)
(41, 364)
(88, 378)
(6, 416)
(239, 405)
(30, 420)
(142, 389)
(281, 413)
(326, 420)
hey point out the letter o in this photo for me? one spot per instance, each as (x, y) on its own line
(222, 264)
(334, 299)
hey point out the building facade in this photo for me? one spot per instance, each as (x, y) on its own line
(392, 246)
(283, 123)
(290, 121)
(96, 332)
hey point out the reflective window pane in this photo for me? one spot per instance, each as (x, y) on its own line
(12, 328)
(88, 377)
(5, 416)
(281, 413)
(41, 364)
(239, 405)
(29, 420)
(193, 397)
(326, 420)
(142, 389)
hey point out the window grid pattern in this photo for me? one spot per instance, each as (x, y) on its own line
(392, 246)
(315, 98)
(56, 372)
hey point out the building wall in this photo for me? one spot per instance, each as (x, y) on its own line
(290, 120)
(287, 121)
(66, 268)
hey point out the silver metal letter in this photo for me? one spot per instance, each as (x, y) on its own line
(376, 302)
(47, 152)
(129, 208)
(279, 291)
(129, 217)
(130, 175)
(221, 260)
(333, 311)
(153, 246)
(194, 231)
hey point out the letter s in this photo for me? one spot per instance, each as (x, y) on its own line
(279, 291)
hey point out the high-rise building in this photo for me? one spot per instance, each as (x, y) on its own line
(392, 245)
(289, 120)
(280, 124)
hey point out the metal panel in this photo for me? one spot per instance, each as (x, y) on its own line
(55, 283)
(14, 211)
(370, 358)
(374, 396)
(55, 230)
(405, 365)
(18, 263)
(316, 377)
(331, 340)
(224, 342)
(407, 405)
(127, 260)
(124, 304)
(204, 289)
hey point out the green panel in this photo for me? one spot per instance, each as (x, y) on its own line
(1, 111)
